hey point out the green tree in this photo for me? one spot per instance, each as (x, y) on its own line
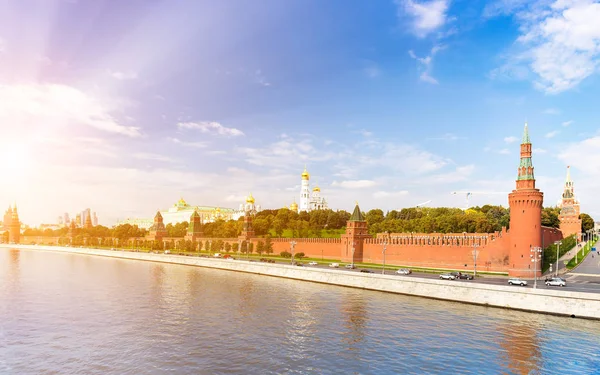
(227, 247)
(260, 247)
(587, 223)
(268, 245)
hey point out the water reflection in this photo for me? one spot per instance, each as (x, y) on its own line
(354, 315)
(521, 347)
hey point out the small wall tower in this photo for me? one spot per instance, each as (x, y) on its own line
(570, 223)
(525, 204)
(304, 192)
(195, 228)
(157, 230)
(353, 239)
(14, 230)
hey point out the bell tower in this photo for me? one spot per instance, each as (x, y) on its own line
(14, 230)
(525, 204)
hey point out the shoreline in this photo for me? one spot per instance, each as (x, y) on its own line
(562, 303)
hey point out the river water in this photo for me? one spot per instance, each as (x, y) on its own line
(74, 314)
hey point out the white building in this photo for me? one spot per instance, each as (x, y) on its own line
(309, 202)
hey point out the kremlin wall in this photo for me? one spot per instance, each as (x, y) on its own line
(507, 251)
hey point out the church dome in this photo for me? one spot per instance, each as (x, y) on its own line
(294, 206)
(182, 202)
(250, 199)
(317, 188)
(305, 175)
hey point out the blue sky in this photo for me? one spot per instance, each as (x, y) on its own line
(124, 107)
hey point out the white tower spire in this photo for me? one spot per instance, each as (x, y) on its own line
(304, 192)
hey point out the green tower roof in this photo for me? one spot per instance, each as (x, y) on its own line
(357, 215)
(526, 135)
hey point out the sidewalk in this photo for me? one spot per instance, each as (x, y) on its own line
(565, 258)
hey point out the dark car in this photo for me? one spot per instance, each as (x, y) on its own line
(460, 275)
(366, 271)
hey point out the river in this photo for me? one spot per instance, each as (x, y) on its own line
(75, 314)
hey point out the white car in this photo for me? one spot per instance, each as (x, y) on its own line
(517, 281)
(334, 265)
(404, 271)
(217, 255)
(313, 263)
(350, 266)
(447, 276)
(167, 252)
(556, 281)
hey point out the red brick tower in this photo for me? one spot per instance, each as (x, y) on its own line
(157, 230)
(14, 230)
(88, 222)
(570, 223)
(195, 228)
(352, 240)
(525, 216)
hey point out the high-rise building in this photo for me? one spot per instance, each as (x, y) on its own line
(95, 219)
(67, 221)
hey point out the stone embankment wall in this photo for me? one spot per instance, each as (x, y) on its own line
(583, 305)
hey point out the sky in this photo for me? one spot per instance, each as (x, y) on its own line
(126, 106)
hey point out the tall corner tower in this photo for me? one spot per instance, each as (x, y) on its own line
(14, 230)
(570, 223)
(525, 204)
(304, 192)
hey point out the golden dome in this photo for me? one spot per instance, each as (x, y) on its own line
(182, 202)
(317, 188)
(294, 206)
(305, 175)
(250, 199)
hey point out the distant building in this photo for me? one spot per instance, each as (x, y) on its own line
(570, 223)
(309, 202)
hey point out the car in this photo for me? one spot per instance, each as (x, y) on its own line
(334, 265)
(556, 281)
(404, 271)
(313, 263)
(465, 276)
(447, 276)
(366, 271)
(517, 281)
(350, 266)
(167, 252)
(217, 255)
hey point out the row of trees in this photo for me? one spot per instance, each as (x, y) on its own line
(329, 223)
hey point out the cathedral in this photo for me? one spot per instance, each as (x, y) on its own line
(570, 223)
(309, 202)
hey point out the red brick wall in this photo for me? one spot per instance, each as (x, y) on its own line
(549, 235)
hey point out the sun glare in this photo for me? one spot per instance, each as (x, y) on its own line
(16, 159)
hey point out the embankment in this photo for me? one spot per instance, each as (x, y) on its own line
(558, 302)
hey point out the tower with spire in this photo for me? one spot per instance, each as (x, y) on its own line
(353, 239)
(158, 230)
(7, 218)
(525, 204)
(14, 230)
(570, 223)
(194, 231)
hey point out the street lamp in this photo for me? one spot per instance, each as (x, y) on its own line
(353, 246)
(475, 253)
(239, 247)
(536, 256)
(557, 243)
(384, 247)
(292, 244)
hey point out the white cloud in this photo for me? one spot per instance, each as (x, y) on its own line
(539, 151)
(33, 106)
(446, 137)
(427, 16)
(567, 123)
(153, 157)
(355, 184)
(187, 143)
(425, 64)
(510, 139)
(372, 71)
(260, 79)
(559, 40)
(210, 127)
(552, 134)
(124, 76)
(552, 111)
(504, 151)
(390, 194)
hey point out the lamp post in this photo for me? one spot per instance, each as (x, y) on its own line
(239, 247)
(475, 253)
(536, 256)
(210, 247)
(557, 243)
(384, 247)
(292, 244)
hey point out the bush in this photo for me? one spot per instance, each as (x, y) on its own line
(285, 254)
(299, 255)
